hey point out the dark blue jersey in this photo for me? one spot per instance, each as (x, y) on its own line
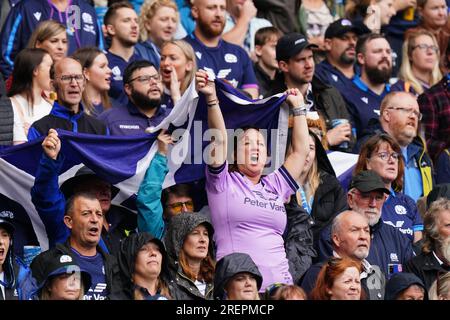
(80, 19)
(227, 61)
(400, 211)
(364, 104)
(118, 65)
(332, 76)
(128, 120)
(95, 267)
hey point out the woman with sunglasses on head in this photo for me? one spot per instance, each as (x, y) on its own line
(339, 279)
(420, 61)
(383, 155)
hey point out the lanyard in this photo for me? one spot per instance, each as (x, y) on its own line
(69, 31)
(305, 204)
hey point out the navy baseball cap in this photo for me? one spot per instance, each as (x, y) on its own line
(7, 225)
(291, 44)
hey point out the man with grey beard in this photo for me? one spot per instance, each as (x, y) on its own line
(364, 96)
(389, 249)
(435, 256)
(350, 234)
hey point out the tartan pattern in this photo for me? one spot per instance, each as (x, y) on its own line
(435, 107)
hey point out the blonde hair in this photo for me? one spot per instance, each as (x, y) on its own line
(406, 72)
(148, 11)
(432, 238)
(45, 30)
(189, 54)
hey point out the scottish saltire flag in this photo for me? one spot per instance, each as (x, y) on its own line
(343, 164)
(186, 160)
(123, 160)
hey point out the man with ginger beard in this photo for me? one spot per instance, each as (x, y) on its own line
(143, 86)
(399, 117)
(389, 248)
(350, 235)
(364, 96)
(338, 69)
(219, 58)
(435, 256)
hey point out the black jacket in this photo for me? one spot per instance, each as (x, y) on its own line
(177, 230)
(303, 231)
(112, 272)
(129, 250)
(426, 267)
(6, 116)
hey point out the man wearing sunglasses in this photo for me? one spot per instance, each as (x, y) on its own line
(143, 86)
(399, 117)
(67, 113)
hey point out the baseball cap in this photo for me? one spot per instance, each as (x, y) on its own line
(439, 191)
(7, 224)
(367, 181)
(341, 27)
(290, 44)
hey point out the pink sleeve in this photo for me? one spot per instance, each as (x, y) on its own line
(217, 178)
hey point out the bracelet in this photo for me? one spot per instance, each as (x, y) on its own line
(212, 103)
(300, 111)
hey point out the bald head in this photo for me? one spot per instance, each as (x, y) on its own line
(399, 116)
(68, 80)
(350, 235)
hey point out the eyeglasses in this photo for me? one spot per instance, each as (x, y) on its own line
(408, 111)
(177, 207)
(367, 198)
(147, 78)
(68, 79)
(425, 47)
(386, 155)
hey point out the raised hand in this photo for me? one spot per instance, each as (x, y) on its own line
(204, 85)
(51, 144)
(164, 139)
(174, 86)
(294, 98)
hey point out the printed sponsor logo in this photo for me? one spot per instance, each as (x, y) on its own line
(87, 18)
(65, 258)
(393, 257)
(230, 58)
(399, 209)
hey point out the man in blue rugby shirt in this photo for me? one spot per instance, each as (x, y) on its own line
(121, 23)
(389, 249)
(143, 86)
(364, 96)
(338, 69)
(77, 15)
(218, 57)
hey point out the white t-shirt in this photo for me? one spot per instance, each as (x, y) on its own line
(201, 286)
(25, 115)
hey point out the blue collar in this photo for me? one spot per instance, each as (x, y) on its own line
(362, 86)
(63, 112)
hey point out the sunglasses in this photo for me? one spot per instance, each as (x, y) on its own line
(177, 207)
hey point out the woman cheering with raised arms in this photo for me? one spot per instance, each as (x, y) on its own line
(247, 209)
